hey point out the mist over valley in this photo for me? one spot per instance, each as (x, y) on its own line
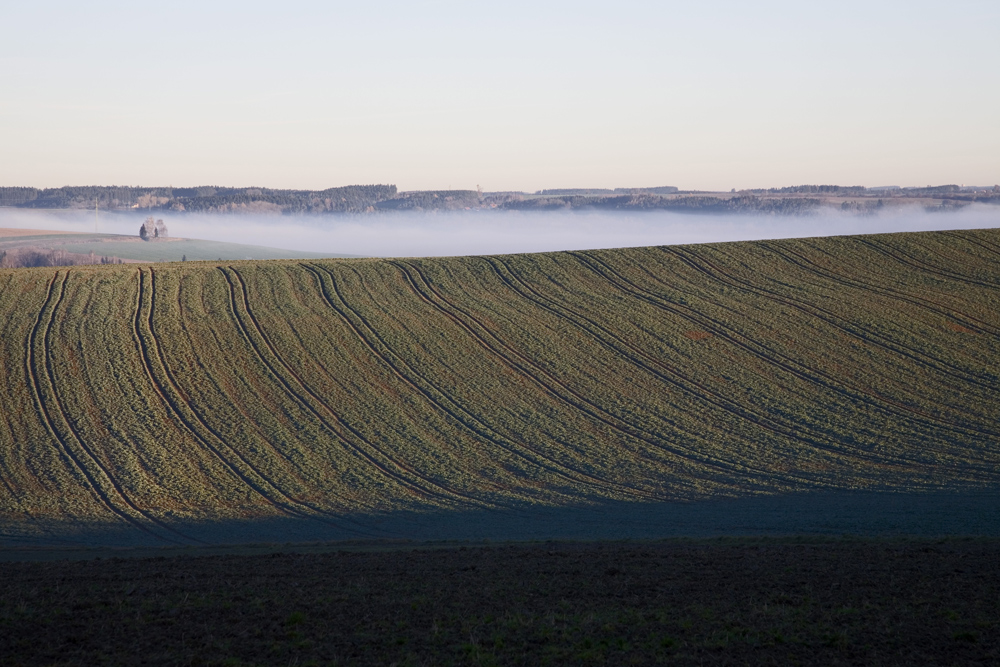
(482, 232)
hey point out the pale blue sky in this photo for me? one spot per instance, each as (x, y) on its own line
(514, 95)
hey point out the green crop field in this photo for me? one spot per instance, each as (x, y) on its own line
(358, 398)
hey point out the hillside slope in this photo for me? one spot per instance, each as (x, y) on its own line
(333, 399)
(133, 249)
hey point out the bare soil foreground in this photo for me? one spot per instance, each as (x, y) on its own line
(717, 602)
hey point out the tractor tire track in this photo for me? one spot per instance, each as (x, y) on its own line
(937, 308)
(438, 399)
(428, 487)
(477, 427)
(785, 363)
(534, 373)
(98, 480)
(36, 395)
(869, 336)
(903, 257)
(825, 315)
(974, 240)
(947, 254)
(675, 378)
(517, 368)
(254, 479)
(927, 304)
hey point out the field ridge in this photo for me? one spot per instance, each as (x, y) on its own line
(632, 393)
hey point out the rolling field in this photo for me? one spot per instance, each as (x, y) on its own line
(133, 249)
(212, 402)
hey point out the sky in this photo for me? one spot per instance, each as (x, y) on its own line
(508, 96)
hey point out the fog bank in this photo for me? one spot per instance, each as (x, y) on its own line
(484, 232)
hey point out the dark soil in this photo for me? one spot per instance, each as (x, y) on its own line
(696, 602)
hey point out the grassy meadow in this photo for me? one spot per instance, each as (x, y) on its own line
(236, 401)
(133, 249)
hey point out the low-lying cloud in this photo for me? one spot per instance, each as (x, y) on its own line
(479, 232)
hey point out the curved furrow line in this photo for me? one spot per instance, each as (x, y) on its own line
(36, 395)
(974, 240)
(10, 281)
(675, 378)
(947, 255)
(856, 331)
(519, 368)
(539, 376)
(942, 310)
(98, 480)
(928, 304)
(827, 316)
(104, 473)
(438, 399)
(268, 491)
(426, 485)
(904, 257)
(796, 368)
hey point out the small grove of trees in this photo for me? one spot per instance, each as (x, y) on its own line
(426, 200)
(152, 229)
(866, 207)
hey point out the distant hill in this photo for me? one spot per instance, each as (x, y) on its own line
(598, 393)
(54, 248)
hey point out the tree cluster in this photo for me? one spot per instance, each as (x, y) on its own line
(661, 190)
(746, 204)
(208, 199)
(152, 229)
(34, 257)
(431, 200)
(842, 190)
(863, 207)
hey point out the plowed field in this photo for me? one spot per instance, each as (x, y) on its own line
(334, 399)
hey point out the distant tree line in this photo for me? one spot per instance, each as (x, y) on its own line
(662, 190)
(424, 200)
(209, 199)
(32, 257)
(353, 199)
(17, 196)
(863, 207)
(843, 190)
(740, 204)
(936, 191)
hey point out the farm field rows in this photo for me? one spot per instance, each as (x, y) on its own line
(354, 399)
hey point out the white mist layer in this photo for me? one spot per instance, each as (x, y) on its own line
(481, 233)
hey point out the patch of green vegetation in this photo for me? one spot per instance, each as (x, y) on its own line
(149, 399)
